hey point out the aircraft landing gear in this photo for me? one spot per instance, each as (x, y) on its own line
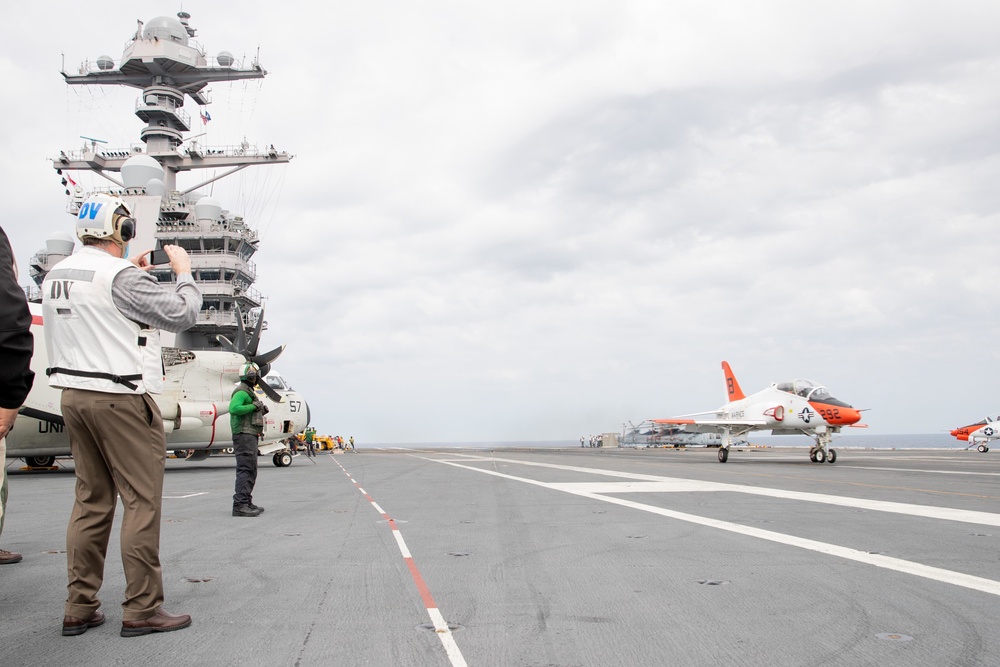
(723, 454)
(817, 455)
(831, 456)
(282, 459)
(983, 448)
(40, 461)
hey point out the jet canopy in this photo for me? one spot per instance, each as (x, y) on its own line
(807, 389)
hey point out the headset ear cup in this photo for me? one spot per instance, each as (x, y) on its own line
(126, 227)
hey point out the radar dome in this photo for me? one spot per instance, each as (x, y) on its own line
(139, 170)
(105, 62)
(165, 27)
(208, 208)
(60, 243)
(155, 186)
(225, 59)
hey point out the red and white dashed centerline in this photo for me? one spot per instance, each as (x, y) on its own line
(440, 626)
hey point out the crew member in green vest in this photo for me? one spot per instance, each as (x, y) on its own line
(246, 418)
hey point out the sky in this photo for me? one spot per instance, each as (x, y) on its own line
(540, 220)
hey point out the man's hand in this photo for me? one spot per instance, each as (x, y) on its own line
(179, 260)
(7, 416)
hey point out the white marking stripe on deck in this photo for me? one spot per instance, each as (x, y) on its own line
(926, 511)
(899, 565)
(441, 628)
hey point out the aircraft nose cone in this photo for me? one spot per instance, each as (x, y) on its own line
(851, 416)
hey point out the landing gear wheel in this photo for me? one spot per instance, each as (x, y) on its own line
(831, 456)
(723, 454)
(812, 455)
(40, 461)
(285, 458)
(982, 448)
(820, 455)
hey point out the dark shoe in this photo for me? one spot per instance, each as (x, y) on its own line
(77, 626)
(161, 621)
(9, 557)
(245, 510)
(256, 507)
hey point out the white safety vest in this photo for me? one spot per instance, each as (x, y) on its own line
(91, 345)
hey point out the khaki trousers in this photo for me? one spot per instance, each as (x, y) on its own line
(119, 449)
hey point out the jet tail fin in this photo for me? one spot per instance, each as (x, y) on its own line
(733, 391)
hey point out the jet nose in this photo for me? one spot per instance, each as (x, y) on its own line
(850, 416)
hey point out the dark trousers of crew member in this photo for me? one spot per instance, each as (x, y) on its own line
(245, 449)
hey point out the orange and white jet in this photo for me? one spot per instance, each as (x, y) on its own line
(980, 433)
(799, 406)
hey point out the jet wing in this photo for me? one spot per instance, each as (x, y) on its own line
(694, 424)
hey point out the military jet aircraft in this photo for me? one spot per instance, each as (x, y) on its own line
(799, 406)
(979, 434)
(194, 403)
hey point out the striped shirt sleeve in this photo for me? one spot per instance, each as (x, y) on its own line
(142, 299)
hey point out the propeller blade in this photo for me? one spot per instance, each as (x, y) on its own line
(254, 339)
(265, 369)
(241, 335)
(226, 343)
(271, 393)
(266, 358)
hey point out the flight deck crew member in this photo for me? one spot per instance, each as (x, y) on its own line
(16, 376)
(246, 418)
(102, 316)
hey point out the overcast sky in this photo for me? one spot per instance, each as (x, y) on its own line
(531, 220)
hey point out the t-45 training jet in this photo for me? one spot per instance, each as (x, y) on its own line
(980, 433)
(800, 406)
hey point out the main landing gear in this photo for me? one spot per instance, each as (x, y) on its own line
(723, 454)
(983, 448)
(818, 455)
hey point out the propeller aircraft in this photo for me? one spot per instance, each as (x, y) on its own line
(799, 406)
(194, 403)
(979, 434)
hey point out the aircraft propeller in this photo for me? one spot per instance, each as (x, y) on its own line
(247, 347)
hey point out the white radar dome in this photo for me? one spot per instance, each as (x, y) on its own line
(60, 243)
(105, 62)
(155, 186)
(139, 170)
(208, 208)
(225, 59)
(165, 27)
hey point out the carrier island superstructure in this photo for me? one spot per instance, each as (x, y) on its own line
(164, 62)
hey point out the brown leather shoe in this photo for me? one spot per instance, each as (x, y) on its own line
(77, 626)
(161, 621)
(9, 557)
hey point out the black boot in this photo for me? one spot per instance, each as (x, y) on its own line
(245, 510)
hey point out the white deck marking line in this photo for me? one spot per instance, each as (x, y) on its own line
(933, 472)
(897, 564)
(926, 511)
(441, 628)
(190, 495)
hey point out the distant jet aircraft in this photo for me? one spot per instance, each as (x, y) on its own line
(980, 433)
(194, 403)
(800, 406)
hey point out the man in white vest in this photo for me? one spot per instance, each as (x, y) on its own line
(102, 315)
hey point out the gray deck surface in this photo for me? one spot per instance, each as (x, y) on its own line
(589, 557)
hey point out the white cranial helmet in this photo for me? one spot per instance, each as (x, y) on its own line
(105, 217)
